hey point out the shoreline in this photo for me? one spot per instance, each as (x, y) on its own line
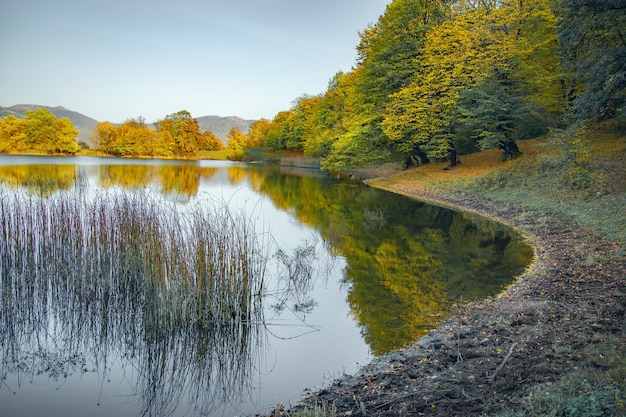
(490, 355)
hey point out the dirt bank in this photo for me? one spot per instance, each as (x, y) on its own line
(489, 356)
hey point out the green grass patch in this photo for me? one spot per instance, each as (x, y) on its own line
(596, 388)
(576, 173)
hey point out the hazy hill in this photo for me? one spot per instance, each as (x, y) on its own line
(220, 126)
(81, 122)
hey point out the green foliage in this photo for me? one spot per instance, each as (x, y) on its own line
(284, 132)
(436, 77)
(389, 53)
(458, 54)
(466, 89)
(536, 65)
(575, 151)
(491, 116)
(355, 148)
(387, 50)
(327, 117)
(593, 46)
(572, 167)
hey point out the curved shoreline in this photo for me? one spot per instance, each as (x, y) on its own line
(490, 355)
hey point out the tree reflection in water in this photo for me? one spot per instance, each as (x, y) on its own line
(119, 281)
(176, 295)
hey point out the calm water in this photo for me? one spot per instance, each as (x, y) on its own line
(381, 271)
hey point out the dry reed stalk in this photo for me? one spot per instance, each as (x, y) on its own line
(177, 290)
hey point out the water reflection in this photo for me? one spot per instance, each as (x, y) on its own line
(104, 291)
(45, 180)
(178, 297)
(408, 262)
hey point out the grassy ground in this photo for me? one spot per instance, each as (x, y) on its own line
(556, 340)
(583, 178)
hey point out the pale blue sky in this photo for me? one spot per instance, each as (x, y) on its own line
(117, 59)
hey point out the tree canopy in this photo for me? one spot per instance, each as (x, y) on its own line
(593, 46)
(39, 132)
(177, 135)
(434, 79)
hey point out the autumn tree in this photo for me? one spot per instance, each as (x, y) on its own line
(536, 67)
(326, 118)
(46, 133)
(207, 141)
(356, 139)
(489, 114)
(258, 131)
(40, 131)
(488, 52)
(289, 128)
(387, 55)
(104, 135)
(433, 77)
(343, 126)
(132, 138)
(278, 131)
(388, 49)
(181, 133)
(236, 140)
(236, 144)
(135, 138)
(66, 134)
(12, 134)
(458, 53)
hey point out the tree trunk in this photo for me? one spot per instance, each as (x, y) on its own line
(453, 158)
(422, 157)
(509, 149)
(417, 158)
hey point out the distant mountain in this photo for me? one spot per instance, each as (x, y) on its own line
(81, 122)
(221, 126)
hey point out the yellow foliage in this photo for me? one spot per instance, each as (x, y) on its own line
(459, 53)
(40, 132)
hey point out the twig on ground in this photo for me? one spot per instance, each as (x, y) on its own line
(506, 358)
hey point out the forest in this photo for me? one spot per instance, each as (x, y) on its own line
(436, 79)
(433, 80)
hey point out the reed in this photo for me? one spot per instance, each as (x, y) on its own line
(199, 265)
(176, 288)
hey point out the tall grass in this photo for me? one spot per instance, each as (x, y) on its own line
(202, 266)
(129, 274)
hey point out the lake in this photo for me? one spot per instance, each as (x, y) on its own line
(110, 299)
